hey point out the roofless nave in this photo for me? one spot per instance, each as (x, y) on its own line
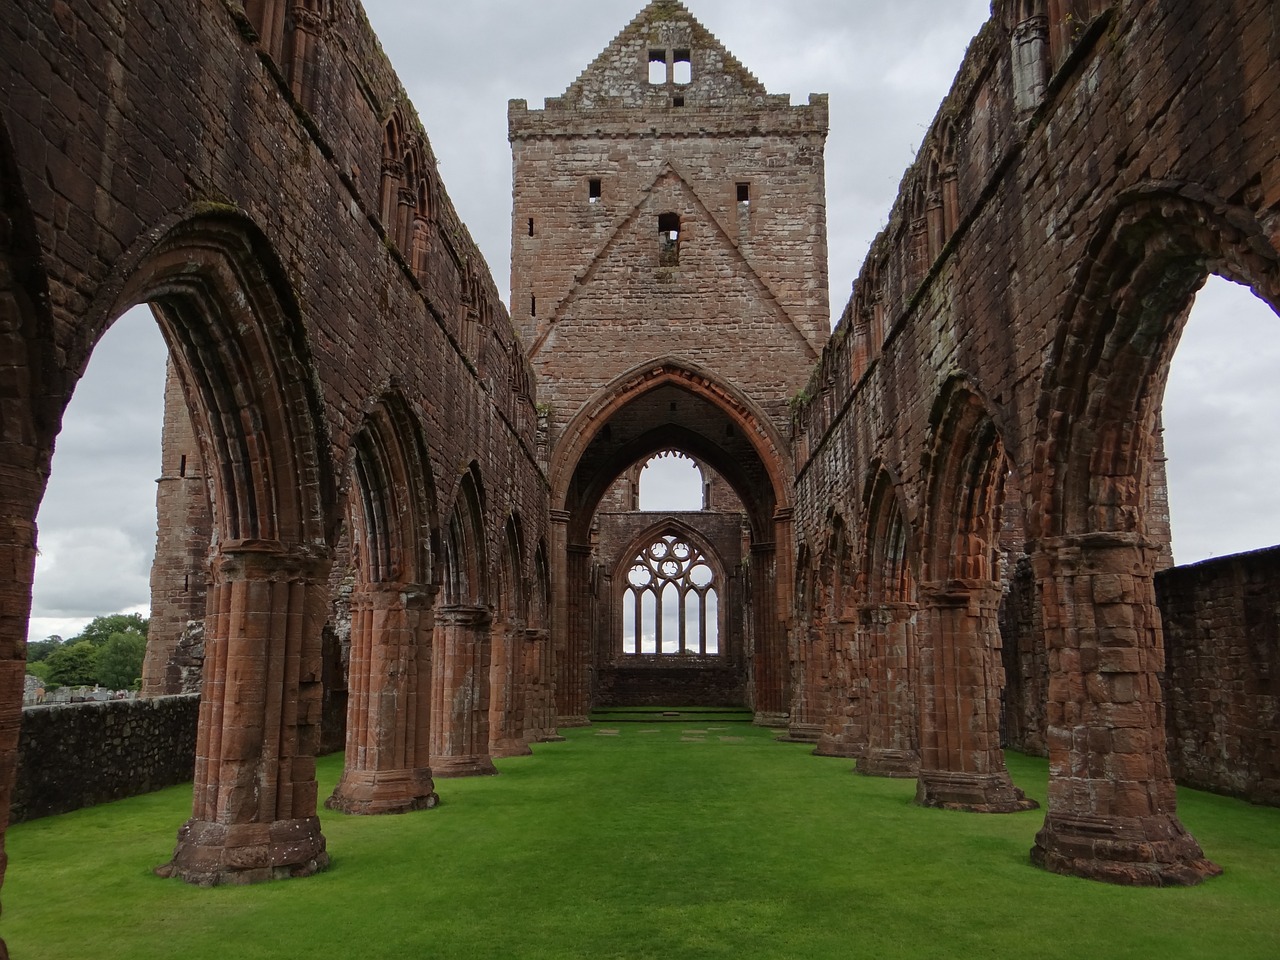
(979, 427)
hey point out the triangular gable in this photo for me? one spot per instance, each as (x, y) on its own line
(624, 282)
(619, 76)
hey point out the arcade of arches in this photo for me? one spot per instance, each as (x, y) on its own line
(408, 512)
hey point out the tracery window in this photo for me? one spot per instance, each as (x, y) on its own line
(670, 605)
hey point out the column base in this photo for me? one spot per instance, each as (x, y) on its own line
(573, 721)
(211, 853)
(848, 741)
(510, 748)
(801, 733)
(449, 767)
(971, 792)
(374, 792)
(1153, 851)
(765, 718)
(898, 764)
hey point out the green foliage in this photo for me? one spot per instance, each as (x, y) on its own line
(38, 650)
(697, 840)
(39, 668)
(119, 663)
(101, 629)
(74, 665)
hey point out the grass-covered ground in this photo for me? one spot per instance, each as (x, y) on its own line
(694, 837)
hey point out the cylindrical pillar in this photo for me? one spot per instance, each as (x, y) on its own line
(1112, 805)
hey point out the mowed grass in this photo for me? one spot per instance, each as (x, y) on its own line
(700, 838)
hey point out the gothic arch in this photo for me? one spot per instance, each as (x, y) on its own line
(32, 395)
(1123, 316)
(236, 340)
(887, 630)
(508, 673)
(628, 420)
(705, 553)
(466, 554)
(961, 676)
(835, 674)
(1101, 396)
(766, 444)
(395, 546)
(463, 642)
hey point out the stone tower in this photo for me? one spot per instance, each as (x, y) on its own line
(669, 281)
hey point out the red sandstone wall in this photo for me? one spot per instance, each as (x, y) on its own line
(1222, 673)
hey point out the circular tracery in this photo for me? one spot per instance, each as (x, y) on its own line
(671, 605)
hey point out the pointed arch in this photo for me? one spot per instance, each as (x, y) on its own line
(463, 643)
(887, 629)
(234, 331)
(508, 672)
(664, 561)
(836, 676)
(961, 676)
(394, 536)
(1098, 407)
(761, 436)
(466, 555)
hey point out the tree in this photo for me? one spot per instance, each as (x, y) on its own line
(74, 665)
(38, 650)
(119, 662)
(100, 629)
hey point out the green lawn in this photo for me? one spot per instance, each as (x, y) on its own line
(699, 838)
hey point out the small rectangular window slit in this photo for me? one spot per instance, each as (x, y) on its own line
(533, 306)
(593, 191)
(182, 465)
(744, 193)
(531, 226)
(657, 67)
(681, 68)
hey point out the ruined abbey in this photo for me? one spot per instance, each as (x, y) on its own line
(400, 517)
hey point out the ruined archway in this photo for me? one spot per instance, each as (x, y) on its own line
(1095, 558)
(960, 671)
(671, 405)
(233, 331)
(887, 624)
(463, 642)
(508, 677)
(393, 530)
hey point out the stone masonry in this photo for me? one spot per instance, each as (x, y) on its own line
(983, 423)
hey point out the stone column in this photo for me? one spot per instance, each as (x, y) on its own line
(254, 808)
(961, 763)
(888, 637)
(808, 653)
(1112, 805)
(460, 693)
(507, 693)
(769, 661)
(844, 732)
(388, 760)
(573, 656)
(540, 706)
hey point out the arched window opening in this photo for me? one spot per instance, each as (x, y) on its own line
(668, 239)
(97, 519)
(670, 602)
(1219, 426)
(671, 481)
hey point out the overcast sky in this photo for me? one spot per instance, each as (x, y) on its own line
(886, 67)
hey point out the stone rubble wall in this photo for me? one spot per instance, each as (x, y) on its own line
(1222, 673)
(77, 755)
